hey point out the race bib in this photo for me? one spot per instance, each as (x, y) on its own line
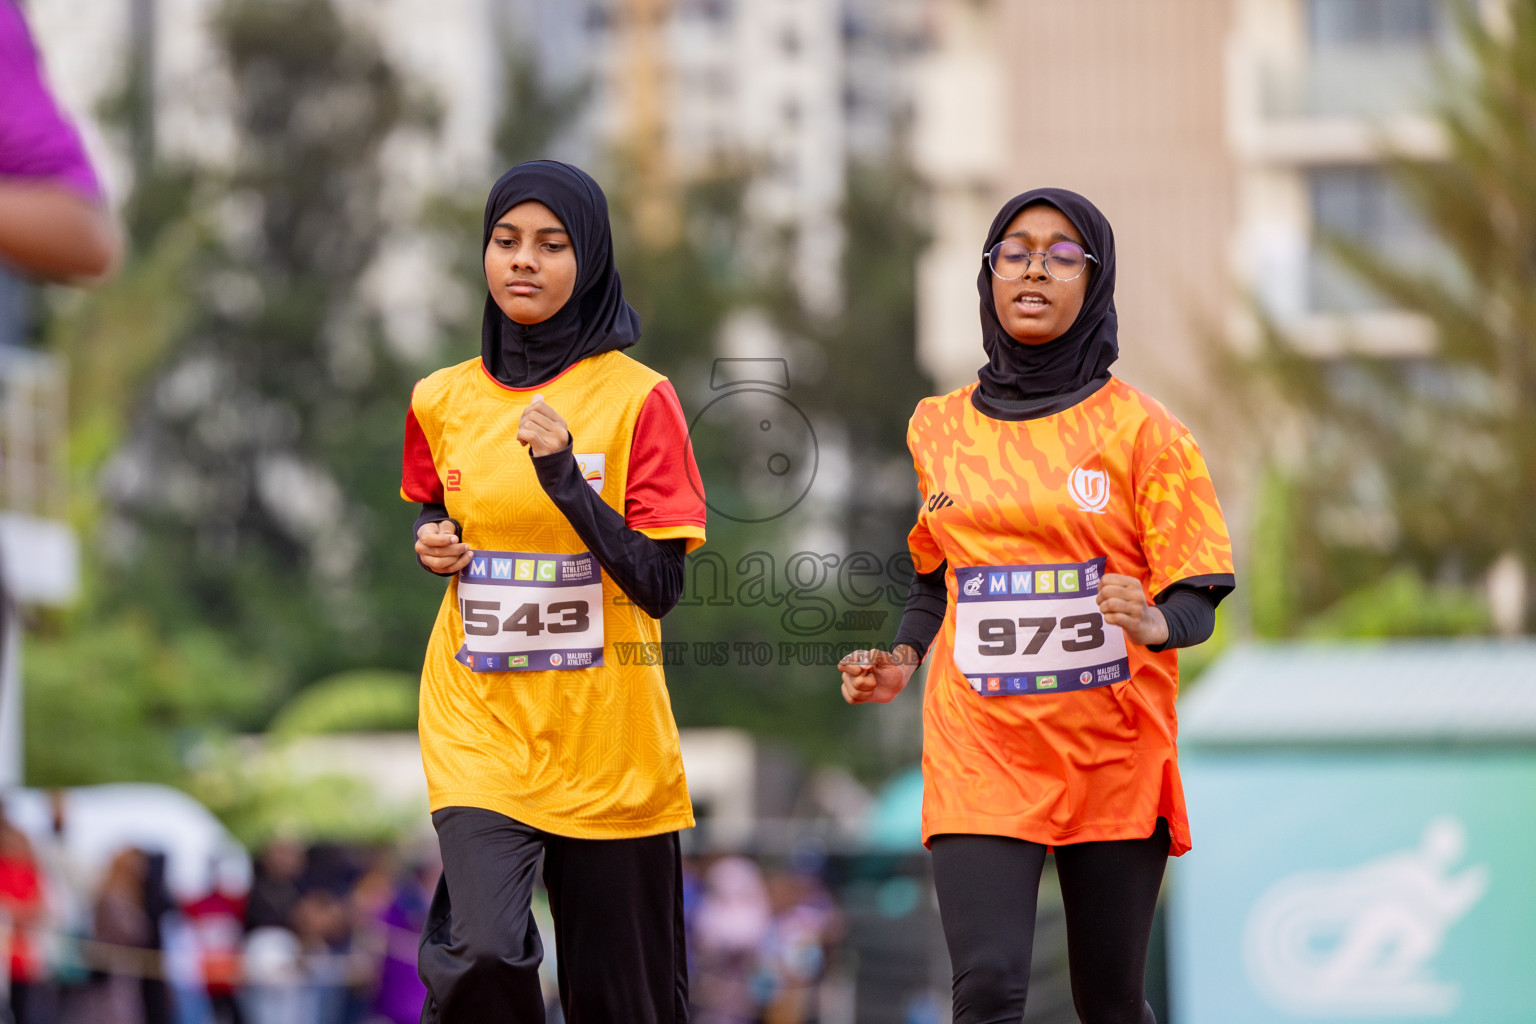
(1029, 629)
(528, 612)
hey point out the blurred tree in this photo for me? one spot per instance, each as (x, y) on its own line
(771, 610)
(1420, 469)
(111, 698)
(364, 700)
(246, 496)
(235, 420)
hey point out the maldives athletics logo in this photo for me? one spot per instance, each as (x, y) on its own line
(1090, 489)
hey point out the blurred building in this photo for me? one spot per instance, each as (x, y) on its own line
(1220, 137)
(784, 93)
(1317, 91)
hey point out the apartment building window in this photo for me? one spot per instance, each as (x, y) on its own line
(1361, 203)
(1374, 23)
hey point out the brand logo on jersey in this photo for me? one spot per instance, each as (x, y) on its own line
(1089, 488)
(455, 478)
(938, 501)
(593, 467)
(973, 586)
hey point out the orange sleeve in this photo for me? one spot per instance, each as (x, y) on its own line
(664, 494)
(1183, 534)
(926, 554)
(419, 480)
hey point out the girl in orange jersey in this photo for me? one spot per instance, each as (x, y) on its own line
(1056, 498)
(559, 490)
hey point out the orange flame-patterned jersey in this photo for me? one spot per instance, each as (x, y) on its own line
(590, 752)
(1115, 477)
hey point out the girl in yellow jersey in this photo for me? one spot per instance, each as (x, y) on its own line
(559, 490)
(1056, 498)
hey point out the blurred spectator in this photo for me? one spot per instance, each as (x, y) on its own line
(794, 952)
(23, 905)
(275, 984)
(122, 935)
(217, 920)
(52, 221)
(732, 922)
(69, 899)
(321, 922)
(157, 903)
(400, 992)
(275, 888)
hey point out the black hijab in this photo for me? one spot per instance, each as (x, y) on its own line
(595, 318)
(1038, 378)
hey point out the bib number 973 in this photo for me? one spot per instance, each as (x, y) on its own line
(1035, 629)
(483, 618)
(1000, 637)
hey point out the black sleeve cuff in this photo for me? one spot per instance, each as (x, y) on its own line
(1190, 611)
(923, 616)
(1216, 586)
(432, 512)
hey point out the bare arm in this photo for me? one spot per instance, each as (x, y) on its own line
(51, 232)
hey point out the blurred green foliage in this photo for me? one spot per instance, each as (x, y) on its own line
(266, 799)
(363, 700)
(113, 699)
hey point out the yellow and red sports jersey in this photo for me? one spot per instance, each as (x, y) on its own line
(1040, 721)
(578, 742)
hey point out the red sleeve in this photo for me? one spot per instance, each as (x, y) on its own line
(664, 497)
(418, 473)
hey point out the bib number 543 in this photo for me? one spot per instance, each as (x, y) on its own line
(483, 618)
(1000, 637)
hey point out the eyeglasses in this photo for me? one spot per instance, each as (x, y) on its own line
(1065, 261)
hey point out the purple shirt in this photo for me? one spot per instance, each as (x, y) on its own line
(36, 140)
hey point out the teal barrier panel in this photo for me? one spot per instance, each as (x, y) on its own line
(1345, 888)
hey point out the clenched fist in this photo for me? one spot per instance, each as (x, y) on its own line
(877, 676)
(440, 548)
(542, 429)
(1123, 603)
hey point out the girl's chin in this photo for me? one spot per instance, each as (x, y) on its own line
(522, 313)
(1034, 339)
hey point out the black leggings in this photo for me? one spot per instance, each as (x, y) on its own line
(987, 888)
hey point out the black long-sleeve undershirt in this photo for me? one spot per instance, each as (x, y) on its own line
(650, 572)
(1189, 608)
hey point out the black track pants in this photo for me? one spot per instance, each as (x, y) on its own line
(987, 888)
(618, 910)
